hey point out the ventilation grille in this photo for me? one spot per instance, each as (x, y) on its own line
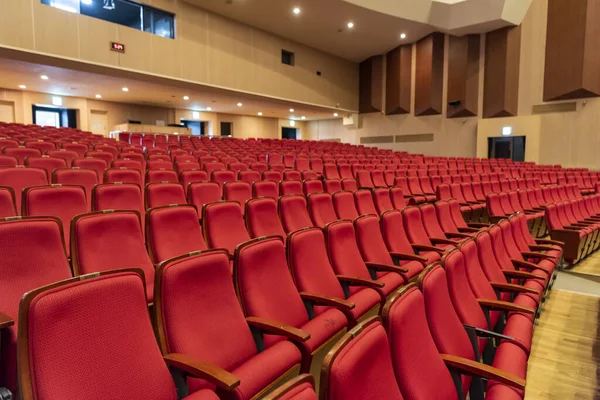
(376, 139)
(571, 106)
(421, 137)
(338, 140)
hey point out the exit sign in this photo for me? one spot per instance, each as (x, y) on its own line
(118, 47)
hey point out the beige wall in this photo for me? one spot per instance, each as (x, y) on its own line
(208, 49)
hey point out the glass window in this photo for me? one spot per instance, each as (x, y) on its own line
(65, 5)
(158, 22)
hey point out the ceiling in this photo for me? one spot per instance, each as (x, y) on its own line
(71, 82)
(378, 24)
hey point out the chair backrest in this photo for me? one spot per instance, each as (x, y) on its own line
(332, 185)
(345, 171)
(223, 225)
(272, 175)
(123, 175)
(239, 191)
(293, 213)
(21, 153)
(320, 209)
(265, 189)
(382, 200)
(249, 176)
(344, 376)
(7, 202)
(159, 164)
(291, 175)
(349, 184)
(20, 178)
(201, 193)
(161, 176)
(50, 164)
(363, 178)
(262, 218)
(331, 171)
(343, 250)
(417, 361)
(364, 202)
(300, 388)
(95, 164)
(413, 225)
(102, 309)
(163, 194)
(35, 257)
(343, 203)
(310, 186)
(172, 231)
(63, 202)
(290, 187)
(430, 221)
(370, 241)
(105, 240)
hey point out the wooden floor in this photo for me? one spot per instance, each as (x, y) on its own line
(589, 266)
(566, 349)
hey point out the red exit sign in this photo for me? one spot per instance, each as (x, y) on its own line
(114, 46)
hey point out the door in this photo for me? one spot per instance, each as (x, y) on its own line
(99, 122)
(7, 112)
(507, 147)
(288, 133)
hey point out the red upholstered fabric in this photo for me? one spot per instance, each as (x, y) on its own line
(262, 218)
(382, 200)
(80, 148)
(7, 202)
(446, 328)
(237, 166)
(331, 171)
(237, 191)
(349, 184)
(266, 289)
(8, 161)
(200, 308)
(293, 213)
(364, 202)
(397, 197)
(310, 186)
(191, 176)
(162, 194)
(510, 358)
(20, 178)
(265, 189)
(272, 175)
(363, 178)
(111, 196)
(86, 178)
(161, 176)
(160, 164)
(343, 203)
(201, 193)
(292, 175)
(320, 209)
(102, 335)
(362, 369)
(304, 391)
(96, 164)
(249, 176)
(415, 230)
(123, 175)
(290, 187)
(46, 163)
(63, 202)
(345, 171)
(417, 362)
(312, 272)
(394, 235)
(173, 231)
(103, 242)
(21, 153)
(332, 185)
(40, 145)
(102, 155)
(223, 225)
(32, 256)
(430, 222)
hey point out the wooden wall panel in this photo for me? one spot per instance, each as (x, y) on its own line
(398, 80)
(501, 80)
(572, 56)
(370, 97)
(429, 79)
(463, 76)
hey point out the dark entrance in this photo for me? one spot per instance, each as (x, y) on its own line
(507, 147)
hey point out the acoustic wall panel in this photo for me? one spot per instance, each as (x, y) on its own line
(501, 80)
(371, 85)
(429, 80)
(463, 76)
(398, 80)
(572, 56)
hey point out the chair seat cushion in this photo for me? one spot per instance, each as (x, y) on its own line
(204, 394)
(414, 268)
(323, 327)
(520, 327)
(501, 392)
(392, 282)
(431, 256)
(364, 300)
(510, 358)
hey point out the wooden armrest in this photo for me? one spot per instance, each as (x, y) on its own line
(422, 247)
(511, 287)
(352, 281)
(522, 274)
(474, 230)
(533, 254)
(276, 328)
(458, 235)
(471, 367)
(6, 321)
(550, 241)
(386, 268)
(504, 306)
(342, 304)
(527, 264)
(409, 257)
(444, 241)
(202, 370)
(537, 247)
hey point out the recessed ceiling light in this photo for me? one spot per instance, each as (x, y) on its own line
(403, 36)
(335, 114)
(22, 87)
(186, 97)
(296, 10)
(208, 108)
(125, 89)
(291, 110)
(303, 117)
(239, 104)
(44, 77)
(98, 96)
(350, 25)
(259, 113)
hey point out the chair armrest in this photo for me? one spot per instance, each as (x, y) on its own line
(522, 274)
(511, 287)
(487, 333)
(550, 241)
(422, 247)
(533, 254)
(352, 281)
(276, 328)
(6, 321)
(471, 367)
(444, 241)
(458, 235)
(386, 268)
(504, 306)
(527, 264)
(202, 370)
(537, 247)
(343, 305)
(474, 230)
(409, 257)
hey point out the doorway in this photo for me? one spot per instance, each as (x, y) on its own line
(56, 117)
(507, 147)
(99, 122)
(198, 127)
(289, 133)
(7, 112)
